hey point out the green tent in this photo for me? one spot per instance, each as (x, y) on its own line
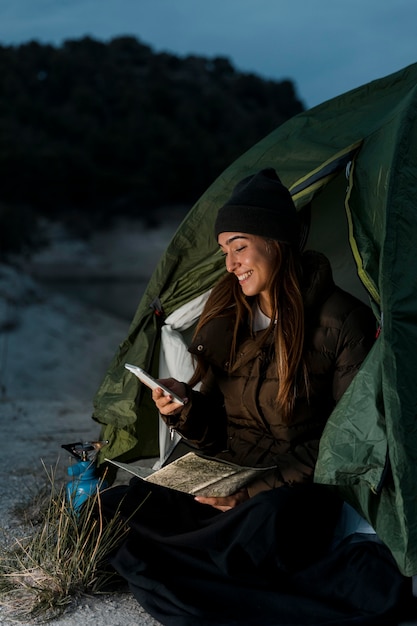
(351, 166)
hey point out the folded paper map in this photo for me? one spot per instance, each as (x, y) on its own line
(199, 475)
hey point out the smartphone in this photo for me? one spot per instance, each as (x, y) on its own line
(152, 383)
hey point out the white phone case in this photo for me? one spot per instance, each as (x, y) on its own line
(150, 382)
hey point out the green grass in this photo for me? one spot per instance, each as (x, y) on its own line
(62, 557)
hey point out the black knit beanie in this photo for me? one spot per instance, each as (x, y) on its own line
(260, 205)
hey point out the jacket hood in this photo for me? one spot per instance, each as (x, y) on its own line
(318, 281)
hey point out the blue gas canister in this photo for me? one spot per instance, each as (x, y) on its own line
(85, 481)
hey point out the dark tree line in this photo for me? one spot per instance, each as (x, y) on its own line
(98, 129)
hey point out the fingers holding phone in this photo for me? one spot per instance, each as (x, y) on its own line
(168, 393)
(167, 404)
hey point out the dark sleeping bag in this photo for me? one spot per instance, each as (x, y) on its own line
(268, 562)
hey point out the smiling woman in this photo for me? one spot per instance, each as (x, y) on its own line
(276, 346)
(251, 260)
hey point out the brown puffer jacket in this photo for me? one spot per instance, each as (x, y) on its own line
(235, 414)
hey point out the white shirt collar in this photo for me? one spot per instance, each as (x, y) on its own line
(260, 320)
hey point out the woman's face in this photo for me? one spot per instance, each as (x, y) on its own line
(250, 259)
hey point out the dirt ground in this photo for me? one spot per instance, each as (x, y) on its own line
(54, 351)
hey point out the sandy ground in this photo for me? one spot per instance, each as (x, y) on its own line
(54, 351)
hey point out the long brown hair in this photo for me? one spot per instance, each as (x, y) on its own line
(286, 297)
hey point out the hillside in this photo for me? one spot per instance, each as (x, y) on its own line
(92, 130)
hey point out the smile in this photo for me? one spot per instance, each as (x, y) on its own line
(244, 276)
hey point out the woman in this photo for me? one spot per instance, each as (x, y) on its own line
(276, 316)
(276, 346)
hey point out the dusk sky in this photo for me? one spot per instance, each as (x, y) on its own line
(326, 47)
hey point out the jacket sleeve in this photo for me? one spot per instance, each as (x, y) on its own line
(203, 419)
(297, 466)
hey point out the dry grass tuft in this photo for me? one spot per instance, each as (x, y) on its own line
(61, 558)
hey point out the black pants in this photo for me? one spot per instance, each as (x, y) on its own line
(265, 563)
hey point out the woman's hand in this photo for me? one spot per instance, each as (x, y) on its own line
(226, 503)
(165, 404)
